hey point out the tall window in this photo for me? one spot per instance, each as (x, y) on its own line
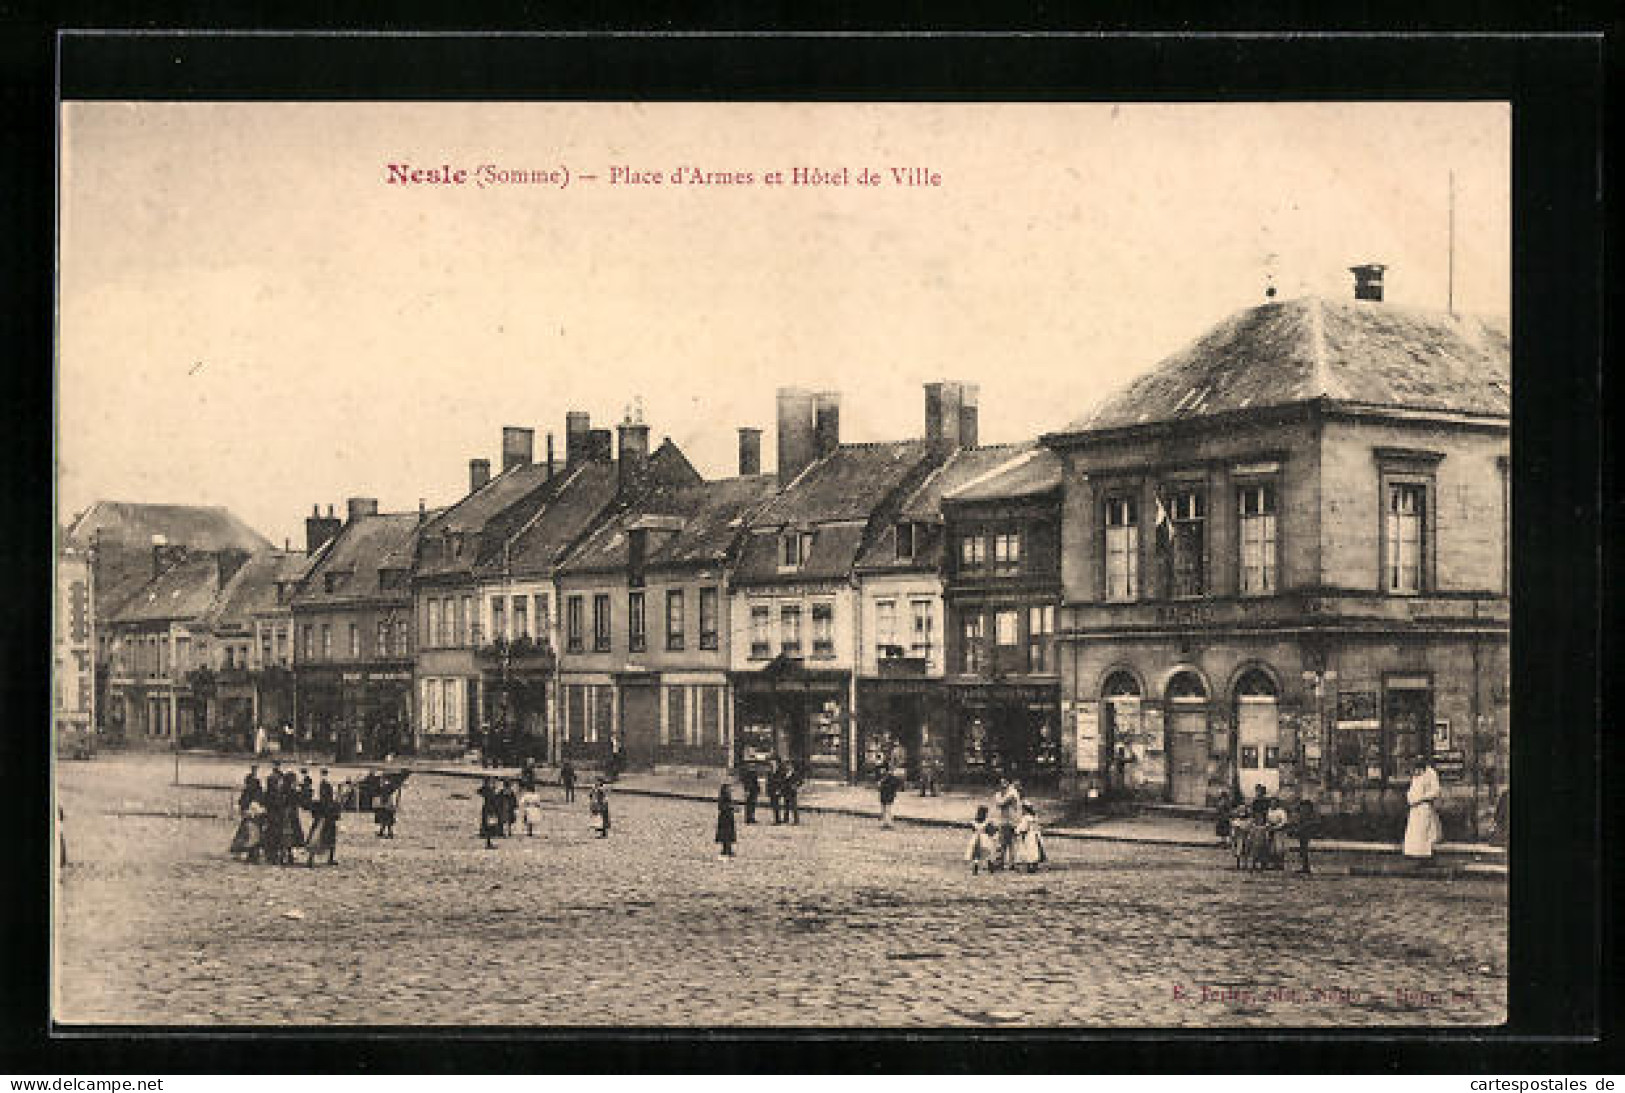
(677, 714)
(1256, 510)
(823, 629)
(923, 635)
(468, 623)
(383, 638)
(790, 629)
(401, 643)
(265, 647)
(573, 624)
(1007, 551)
(1187, 553)
(459, 629)
(708, 618)
(600, 623)
(1122, 548)
(307, 638)
(675, 620)
(1007, 628)
(499, 618)
(761, 630)
(355, 642)
(1403, 543)
(281, 646)
(449, 697)
(432, 636)
(544, 622)
(637, 636)
(972, 552)
(431, 705)
(885, 625)
(521, 617)
(1040, 638)
(972, 656)
(327, 641)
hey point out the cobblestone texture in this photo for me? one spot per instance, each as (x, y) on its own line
(831, 923)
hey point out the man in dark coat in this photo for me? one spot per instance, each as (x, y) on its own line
(753, 792)
(567, 777)
(889, 784)
(791, 789)
(775, 790)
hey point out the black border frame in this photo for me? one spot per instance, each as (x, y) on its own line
(1559, 958)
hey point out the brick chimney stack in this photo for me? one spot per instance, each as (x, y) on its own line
(479, 473)
(750, 451)
(797, 440)
(517, 446)
(577, 427)
(1368, 281)
(826, 422)
(357, 507)
(951, 415)
(319, 529)
(633, 436)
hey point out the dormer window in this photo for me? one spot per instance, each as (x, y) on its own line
(794, 546)
(905, 542)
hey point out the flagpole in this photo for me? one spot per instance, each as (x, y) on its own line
(1450, 286)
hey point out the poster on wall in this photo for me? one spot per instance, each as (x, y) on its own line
(1088, 740)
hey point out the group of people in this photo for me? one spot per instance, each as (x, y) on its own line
(1257, 829)
(783, 792)
(1013, 841)
(269, 829)
(512, 801)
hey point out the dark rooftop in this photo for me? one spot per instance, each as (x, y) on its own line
(1029, 474)
(709, 519)
(847, 484)
(354, 557)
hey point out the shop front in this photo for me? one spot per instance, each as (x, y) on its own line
(516, 685)
(902, 725)
(789, 712)
(1003, 730)
(377, 711)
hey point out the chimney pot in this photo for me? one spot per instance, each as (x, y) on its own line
(577, 426)
(600, 446)
(797, 439)
(357, 507)
(827, 422)
(634, 452)
(319, 529)
(517, 446)
(945, 417)
(750, 451)
(479, 473)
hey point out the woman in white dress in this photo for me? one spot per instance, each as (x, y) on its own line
(1422, 825)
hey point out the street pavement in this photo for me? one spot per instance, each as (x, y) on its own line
(834, 922)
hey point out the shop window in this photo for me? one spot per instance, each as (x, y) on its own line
(790, 630)
(1404, 541)
(573, 624)
(1183, 537)
(1040, 638)
(600, 623)
(1256, 513)
(923, 635)
(1122, 548)
(823, 630)
(575, 710)
(603, 714)
(637, 635)
(710, 727)
(973, 657)
(675, 620)
(677, 714)
(1007, 628)
(761, 631)
(709, 603)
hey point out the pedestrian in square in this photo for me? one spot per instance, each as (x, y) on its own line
(490, 812)
(567, 778)
(1029, 840)
(527, 775)
(530, 808)
(1304, 821)
(889, 785)
(324, 830)
(598, 808)
(1008, 802)
(983, 845)
(727, 834)
(387, 805)
(510, 807)
(1422, 822)
(753, 792)
(792, 791)
(775, 790)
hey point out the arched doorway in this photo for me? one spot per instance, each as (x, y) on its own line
(1258, 733)
(1187, 738)
(1120, 712)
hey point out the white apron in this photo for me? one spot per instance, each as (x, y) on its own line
(1422, 825)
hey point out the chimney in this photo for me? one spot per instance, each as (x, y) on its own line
(944, 414)
(550, 457)
(827, 421)
(423, 512)
(577, 424)
(600, 446)
(797, 442)
(634, 448)
(968, 416)
(750, 451)
(516, 446)
(479, 473)
(1368, 281)
(319, 529)
(361, 506)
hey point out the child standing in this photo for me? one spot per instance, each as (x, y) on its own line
(727, 834)
(984, 841)
(598, 807)
(1029, 840)
(530, 806)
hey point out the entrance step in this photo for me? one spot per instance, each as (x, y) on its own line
(1162, 808)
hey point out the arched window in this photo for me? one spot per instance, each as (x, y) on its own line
(1121, 684)
(1187, 685)
(1256, 683)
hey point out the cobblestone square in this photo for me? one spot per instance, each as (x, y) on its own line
(833, 922)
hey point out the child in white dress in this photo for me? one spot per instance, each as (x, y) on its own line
(530, 808)
(1029, 840)
(984, 841)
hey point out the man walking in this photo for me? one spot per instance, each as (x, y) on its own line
(889, 783)
(775, 790)
(790, 789)
(1008, 801)
(567, 777)
(753, 792)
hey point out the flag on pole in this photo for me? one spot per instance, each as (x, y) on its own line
(1164, 544)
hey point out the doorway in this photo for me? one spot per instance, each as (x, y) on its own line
(1258, 734)
(1188, 751)
(640, 724)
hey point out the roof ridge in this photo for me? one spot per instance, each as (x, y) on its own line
(993, 472)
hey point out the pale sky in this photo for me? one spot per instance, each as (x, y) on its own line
(251, 317)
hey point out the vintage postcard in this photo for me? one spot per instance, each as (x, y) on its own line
(721, 565)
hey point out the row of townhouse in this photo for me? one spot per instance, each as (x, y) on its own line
(1279, 558)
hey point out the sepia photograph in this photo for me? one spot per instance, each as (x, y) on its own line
(814, 565)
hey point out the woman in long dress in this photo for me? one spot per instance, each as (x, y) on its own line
(1422, 824)
(727, 832)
